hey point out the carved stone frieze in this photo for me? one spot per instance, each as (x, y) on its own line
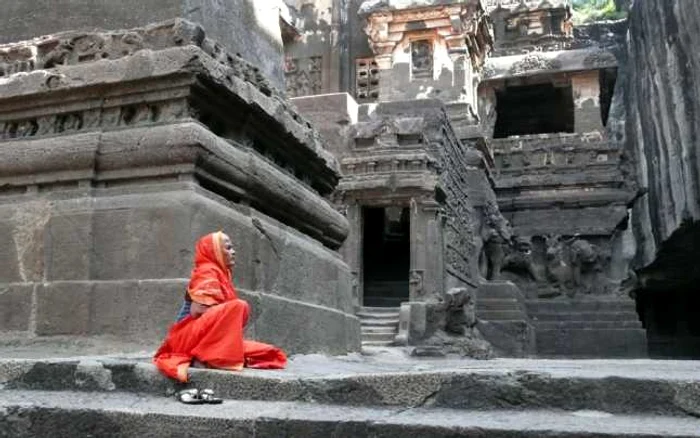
(104, 119)
(534, 62)
(71, 48)
(600, 59)
(304, 77)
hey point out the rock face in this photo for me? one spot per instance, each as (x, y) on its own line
(247, 27)
(664, 118)
(117, 153)
(663, 123)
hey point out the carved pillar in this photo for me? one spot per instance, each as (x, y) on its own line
(352, 250)
(426, 275)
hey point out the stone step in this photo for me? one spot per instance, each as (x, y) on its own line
(592, 342)
(377, 343)
(554, 325)
(375, 310)
(585, 316)
(642, 387)
(379, 337)
(385, 315)
(552, 306)
(130, 415)
(501, 315)
(369, 329)
(375, 322)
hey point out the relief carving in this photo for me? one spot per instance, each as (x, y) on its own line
(600, 59)
(304, 76)
(558, 266)
(534, 62)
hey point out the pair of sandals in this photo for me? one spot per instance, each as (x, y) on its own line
(194, 396)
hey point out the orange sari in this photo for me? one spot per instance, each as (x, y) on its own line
(216, 337)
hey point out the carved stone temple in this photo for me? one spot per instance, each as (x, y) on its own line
(462, 177)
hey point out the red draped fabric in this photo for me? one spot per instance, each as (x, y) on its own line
(216, 337)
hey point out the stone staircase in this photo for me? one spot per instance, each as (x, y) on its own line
(380, 325)
(324, 397)
(587, 328)
(503, 319)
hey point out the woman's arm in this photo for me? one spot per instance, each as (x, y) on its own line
(197, 310)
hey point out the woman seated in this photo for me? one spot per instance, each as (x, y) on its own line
(210, 326)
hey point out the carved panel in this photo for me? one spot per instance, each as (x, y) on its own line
(422, 58)
(366, 79)
(304, 76)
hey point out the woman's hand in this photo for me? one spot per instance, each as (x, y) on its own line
(197, 310)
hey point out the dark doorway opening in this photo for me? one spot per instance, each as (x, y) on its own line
(386, 255)
(669, 303)
(608, 79)
(534, 109)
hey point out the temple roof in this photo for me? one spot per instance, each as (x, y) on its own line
(526, 4)
(370, 6)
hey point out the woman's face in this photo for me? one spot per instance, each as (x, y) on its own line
(229, 252)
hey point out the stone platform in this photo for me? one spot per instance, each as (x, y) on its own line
(380, 393)
(119, 149)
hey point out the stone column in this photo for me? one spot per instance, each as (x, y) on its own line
(351, 250)
(426, 275)
(586, 89)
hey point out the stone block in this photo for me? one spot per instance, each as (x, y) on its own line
(302, 328)
(590, 342)
(63, 308)
(15, 306)
(248, 27)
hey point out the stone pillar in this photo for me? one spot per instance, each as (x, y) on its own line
(426, 275)
(586, 89)
(351, 250)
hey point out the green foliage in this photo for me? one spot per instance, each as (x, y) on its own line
(586, 11)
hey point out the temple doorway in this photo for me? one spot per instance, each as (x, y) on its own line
(386, 255)
(534, 109)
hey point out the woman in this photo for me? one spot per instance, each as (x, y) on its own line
(210, 325)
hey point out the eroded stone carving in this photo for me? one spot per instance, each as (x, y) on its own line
(599, 59)
(304, 76)
(534, 62)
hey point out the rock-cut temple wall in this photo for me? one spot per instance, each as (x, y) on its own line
(118, 150)
(663, 124)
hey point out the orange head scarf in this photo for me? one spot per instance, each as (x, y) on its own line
(211, 283)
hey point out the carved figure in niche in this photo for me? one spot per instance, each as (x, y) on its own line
(415, 283)
(460, 311)
(422, 57)
(88, 47)
(58, 55)
(69, 122)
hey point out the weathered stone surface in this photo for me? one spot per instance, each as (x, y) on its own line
(663, 123)
(113, 415)
(16, 309)
(106, 193)
(246, 27)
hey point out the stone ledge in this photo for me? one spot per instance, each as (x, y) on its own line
(173, 53)
(172, 150)
(70, 414)
(576, 385)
